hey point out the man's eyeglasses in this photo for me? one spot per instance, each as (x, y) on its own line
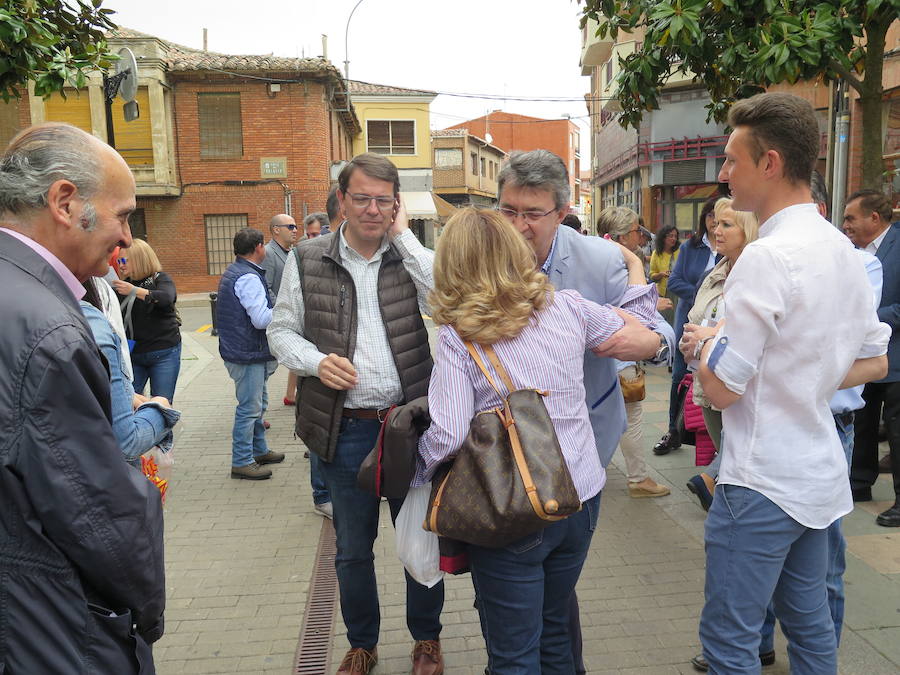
(291, 227)
(529, 216)
(362, 202)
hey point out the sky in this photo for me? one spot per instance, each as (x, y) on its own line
(503, 48)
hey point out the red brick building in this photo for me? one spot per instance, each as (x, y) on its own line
(509, 131)
(223, 142)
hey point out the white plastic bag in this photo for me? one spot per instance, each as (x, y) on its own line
(416, 547)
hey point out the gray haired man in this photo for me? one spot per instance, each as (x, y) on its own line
(81, 536)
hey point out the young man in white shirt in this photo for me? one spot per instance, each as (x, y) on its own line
(772, 368)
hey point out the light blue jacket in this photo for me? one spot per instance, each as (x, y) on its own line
(595, 268)
(136, 430)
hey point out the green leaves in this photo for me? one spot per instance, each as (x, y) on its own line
(52, 42)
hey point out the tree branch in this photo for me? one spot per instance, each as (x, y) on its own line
(852, 80)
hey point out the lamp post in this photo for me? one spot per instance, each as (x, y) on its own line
(346, 43)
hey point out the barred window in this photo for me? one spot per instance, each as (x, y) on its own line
(391, 137)
(220, 231)
(221, 135)
(9, 120)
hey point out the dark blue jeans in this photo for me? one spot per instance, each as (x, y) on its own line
(837, 563)
(160, 367)
(356, 526)
(524, 592)
(317, 480)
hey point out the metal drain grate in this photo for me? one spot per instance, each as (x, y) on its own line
(314, 649)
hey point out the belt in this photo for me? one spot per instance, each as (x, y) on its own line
(845, 419)
(366, 414)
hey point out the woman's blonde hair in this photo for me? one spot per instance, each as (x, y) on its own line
(142, 260)
(486, 282)
(744, 219)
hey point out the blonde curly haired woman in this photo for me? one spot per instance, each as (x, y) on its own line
(488, 290)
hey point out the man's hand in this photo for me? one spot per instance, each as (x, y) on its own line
(663, 304)
(137, 400)
(632, 342)
(337, 372)
(401, 222)
(693, 334)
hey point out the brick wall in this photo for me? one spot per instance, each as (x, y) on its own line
(296, 123)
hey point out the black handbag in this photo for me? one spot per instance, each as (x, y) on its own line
(509, 478)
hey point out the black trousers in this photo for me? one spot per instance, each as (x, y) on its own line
(864, 469)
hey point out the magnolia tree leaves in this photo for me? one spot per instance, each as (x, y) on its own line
(52, 42)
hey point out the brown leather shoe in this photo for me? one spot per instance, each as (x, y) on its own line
(427, 658)
(358, 661)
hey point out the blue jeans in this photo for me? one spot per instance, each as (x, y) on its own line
(160, 367)
(754, 552)
(837, 563)
(317, 480)
(356, 527)
(524, 592)
(248, 436)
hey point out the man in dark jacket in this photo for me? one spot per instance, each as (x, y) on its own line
(243, 311)
(81, 532)
(349, 322)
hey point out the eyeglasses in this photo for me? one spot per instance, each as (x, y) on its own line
(528, 216)
(121, 261)
(362, 202)
(290, 227)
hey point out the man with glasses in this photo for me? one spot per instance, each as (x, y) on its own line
(350, 324)
(284, 236)
(533, 193)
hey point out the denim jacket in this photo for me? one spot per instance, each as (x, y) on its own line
(136, 430)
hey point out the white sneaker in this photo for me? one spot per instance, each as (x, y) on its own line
(324, 510)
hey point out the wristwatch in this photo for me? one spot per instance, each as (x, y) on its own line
(698, 350)
(662, 354)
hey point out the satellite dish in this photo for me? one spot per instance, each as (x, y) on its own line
(488, 137)
(127, 64)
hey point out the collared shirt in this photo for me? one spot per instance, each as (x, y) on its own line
(379, 382)
(873, 245)
(786, 353)
(565, 328)
(253, 296)
(64, 272)
(545, 268)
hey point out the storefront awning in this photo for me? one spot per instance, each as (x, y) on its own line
(426, 206)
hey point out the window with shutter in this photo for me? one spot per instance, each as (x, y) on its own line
(391, 137)
(221, 135)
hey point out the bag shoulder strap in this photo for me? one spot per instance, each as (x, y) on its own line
(127, 305)
(501, 371)
(476, 357)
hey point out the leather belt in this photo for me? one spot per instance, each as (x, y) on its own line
(366, 413)
(846, 419)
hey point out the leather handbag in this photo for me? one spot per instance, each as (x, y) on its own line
(509, 478)
(633, 389)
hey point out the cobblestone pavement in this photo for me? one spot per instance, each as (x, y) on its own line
(240, 556)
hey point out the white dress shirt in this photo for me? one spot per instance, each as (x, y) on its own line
(379, 382)
(799, 314)
(876, 242)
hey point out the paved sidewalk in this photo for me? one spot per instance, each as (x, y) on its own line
(240, 557)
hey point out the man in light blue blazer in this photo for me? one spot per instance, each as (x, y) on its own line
(533, 193)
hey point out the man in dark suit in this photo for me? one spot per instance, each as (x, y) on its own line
(867, 221)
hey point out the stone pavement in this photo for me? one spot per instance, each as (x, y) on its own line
(240, 555)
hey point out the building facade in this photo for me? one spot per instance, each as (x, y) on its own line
(668, 167)
(510, 131)
(222, 142)
(465, 168)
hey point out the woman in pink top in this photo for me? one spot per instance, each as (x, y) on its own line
(488, 290)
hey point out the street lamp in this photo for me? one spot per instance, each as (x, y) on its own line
(346, 43)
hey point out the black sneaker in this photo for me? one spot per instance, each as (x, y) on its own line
(667, 444)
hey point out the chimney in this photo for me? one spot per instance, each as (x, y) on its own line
(204, 39)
